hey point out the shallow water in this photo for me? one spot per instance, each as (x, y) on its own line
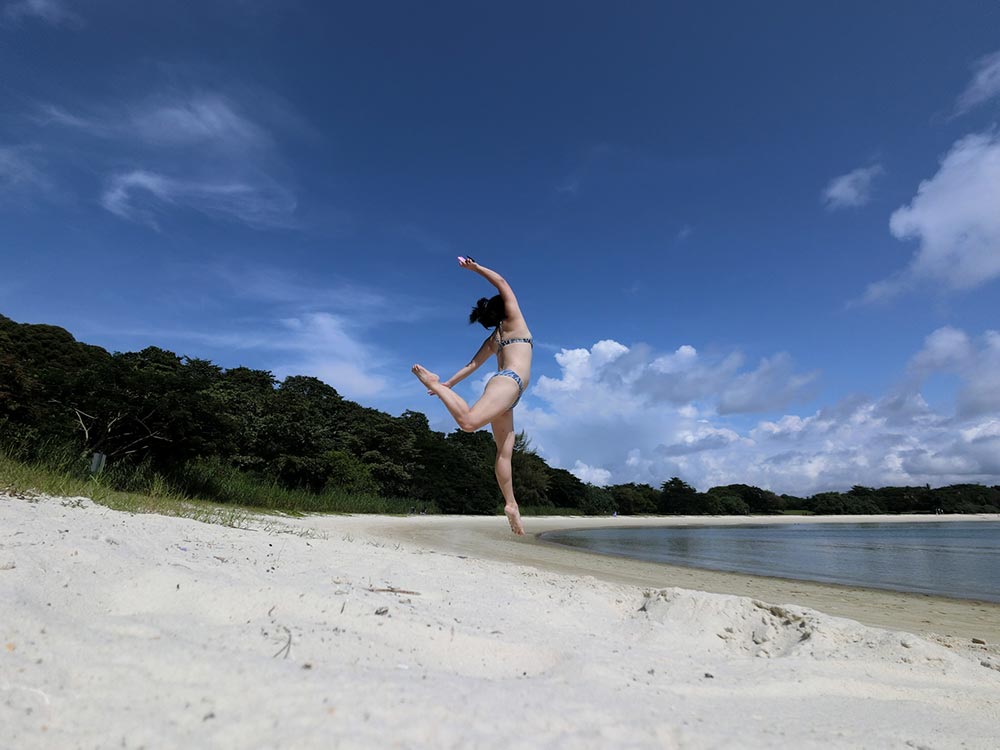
(957, 558)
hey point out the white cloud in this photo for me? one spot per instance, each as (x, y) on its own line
(851, 190)
(985, 84)
(975, 362)
(773, 385)
(955, 217)
(591, 474)
(700, 438)
(679, 378)
(140, 196)
(606, 412)
(641, 415)
(55, 12)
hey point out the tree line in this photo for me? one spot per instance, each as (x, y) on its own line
(190, 422)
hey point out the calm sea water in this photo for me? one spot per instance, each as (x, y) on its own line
(956, 558)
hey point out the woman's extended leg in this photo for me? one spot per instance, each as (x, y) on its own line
(499, 395)
(503, 435)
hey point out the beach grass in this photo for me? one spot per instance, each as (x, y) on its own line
(207, 492)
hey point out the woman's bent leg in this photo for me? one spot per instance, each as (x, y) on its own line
(503, 435)
(499, 395)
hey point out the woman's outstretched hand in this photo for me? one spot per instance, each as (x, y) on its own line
(466, 262)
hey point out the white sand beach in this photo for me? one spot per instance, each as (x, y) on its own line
(131, 631)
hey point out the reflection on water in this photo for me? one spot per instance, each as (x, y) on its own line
(958, 559)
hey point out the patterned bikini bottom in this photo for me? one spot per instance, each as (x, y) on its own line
(516, 378)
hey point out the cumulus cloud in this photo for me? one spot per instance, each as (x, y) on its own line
(649, 410)
(975, 362)
(608, 418)
(140, 196)
(703, 437)
(853, 189)
(679, 378)
(591, 474)
(54, 12)
(772, 385)
(955, 218)
(985, 84)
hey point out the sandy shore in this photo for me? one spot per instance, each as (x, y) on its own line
(147, 631)
(483, 537)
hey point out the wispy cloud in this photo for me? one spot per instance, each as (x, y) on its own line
(298, 295)
(207, 120)
(569, 186)
(19, 171)
(50, 114)
(853, 189)
(140, 196)
(203, 118)
(325, 345)
(55, 12)
(322, 345)
(984, 86)
(955, 218)
(198, 151)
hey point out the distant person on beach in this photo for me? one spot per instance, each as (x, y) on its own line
(510, 340)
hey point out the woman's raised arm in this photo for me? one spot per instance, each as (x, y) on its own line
(512, 309)
(488, 349)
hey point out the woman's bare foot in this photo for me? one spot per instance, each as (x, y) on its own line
(514, 517)
(425, 376)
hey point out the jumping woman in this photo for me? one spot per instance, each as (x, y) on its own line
(510, 341)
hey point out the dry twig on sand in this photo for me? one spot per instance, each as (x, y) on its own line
(393, 590)
(287, 648)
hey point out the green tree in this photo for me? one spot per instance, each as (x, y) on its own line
(635, 499)
(722, 501)
(678, 497)
(530, 474)
(565, 490)
(756, 500)
(598, 501)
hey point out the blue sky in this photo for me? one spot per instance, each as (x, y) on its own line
(754, 244)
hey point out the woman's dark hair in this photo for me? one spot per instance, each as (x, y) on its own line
(489, 312)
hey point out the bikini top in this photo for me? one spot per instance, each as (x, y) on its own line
(502, 342)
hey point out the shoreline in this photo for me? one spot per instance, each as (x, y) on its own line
(482, 537)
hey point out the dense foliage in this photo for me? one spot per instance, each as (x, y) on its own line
(206, 430)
